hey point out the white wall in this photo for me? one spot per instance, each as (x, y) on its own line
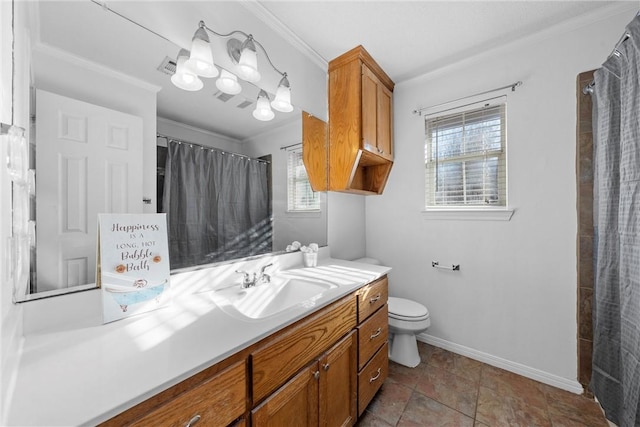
(346, 231)
(514, 300)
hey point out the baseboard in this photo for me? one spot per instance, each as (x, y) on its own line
(517, 368)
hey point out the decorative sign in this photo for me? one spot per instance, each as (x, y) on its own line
(133, 264)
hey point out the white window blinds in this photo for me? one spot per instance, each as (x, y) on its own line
(300, 195)
(465, 158)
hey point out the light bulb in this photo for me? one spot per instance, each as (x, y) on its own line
(263, 110)
(201, 58)
(228, 83)
(282, 101)
(248, 62)
(184, 77)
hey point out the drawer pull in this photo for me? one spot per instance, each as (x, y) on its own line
(193, 421)
(376, 376)
(325, 366)
(316, 374)
(376, 333)
(374, 299)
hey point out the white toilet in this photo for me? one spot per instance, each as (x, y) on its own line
(407, 319)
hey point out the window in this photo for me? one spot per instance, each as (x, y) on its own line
(465, 159)
(301, 198)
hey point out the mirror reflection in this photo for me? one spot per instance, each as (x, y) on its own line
(232, 186)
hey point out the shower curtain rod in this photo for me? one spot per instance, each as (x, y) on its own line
(286, 147)
(204, 147)
(513, 87)
(588, 89)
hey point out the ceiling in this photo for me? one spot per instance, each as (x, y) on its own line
(407, 38)
(410, 38)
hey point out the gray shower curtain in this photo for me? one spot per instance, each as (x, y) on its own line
(616, 307)
(217, 205)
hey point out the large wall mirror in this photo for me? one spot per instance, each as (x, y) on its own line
(90, 63)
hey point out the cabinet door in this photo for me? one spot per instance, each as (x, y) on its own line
(377, 128)
(385, 122)
(295, 404)
(369, 111)
(338, 384)
(314, 151)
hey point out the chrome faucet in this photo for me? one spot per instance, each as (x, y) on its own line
(250, 280)
(264, 277)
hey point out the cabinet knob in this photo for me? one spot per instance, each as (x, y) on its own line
(325, 366)
(316, 374)
(193, 421)
(376, 333)
(376, 376)
(374, 299)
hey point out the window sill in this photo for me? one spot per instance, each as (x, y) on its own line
(468, 214)
(303, 214)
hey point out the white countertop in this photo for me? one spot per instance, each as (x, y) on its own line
(84, 372)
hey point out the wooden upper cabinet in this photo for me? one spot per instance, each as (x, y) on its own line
(360, 124)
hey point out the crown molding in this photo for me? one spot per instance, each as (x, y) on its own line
(580, 21)
(275, 24)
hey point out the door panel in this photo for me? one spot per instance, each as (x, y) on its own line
(338, 384)
(88, 161)
(295, 404)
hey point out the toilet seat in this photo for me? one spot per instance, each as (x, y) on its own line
(404, 309)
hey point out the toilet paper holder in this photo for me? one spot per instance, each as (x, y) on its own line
(453, 267)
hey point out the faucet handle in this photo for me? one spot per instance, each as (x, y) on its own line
(246, 279)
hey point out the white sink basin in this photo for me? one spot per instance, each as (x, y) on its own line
(268, 299)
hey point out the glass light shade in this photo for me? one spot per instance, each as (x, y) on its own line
(201, 58)
(263, 110)
(248, 62)
(184, 77)
(282, 101)
(228, 83)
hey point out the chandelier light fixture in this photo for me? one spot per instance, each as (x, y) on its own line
(199, 62)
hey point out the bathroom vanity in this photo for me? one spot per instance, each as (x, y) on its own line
(304, 374)
(317, 363)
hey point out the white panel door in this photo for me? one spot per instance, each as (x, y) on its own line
(88, 161)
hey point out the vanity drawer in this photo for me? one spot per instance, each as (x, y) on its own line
(372, 297)
(217, 401)
(371, 377)
(298, 345)
(371, 335)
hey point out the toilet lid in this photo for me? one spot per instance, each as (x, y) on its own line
(404, 308)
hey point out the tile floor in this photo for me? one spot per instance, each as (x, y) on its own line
(447, 389)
